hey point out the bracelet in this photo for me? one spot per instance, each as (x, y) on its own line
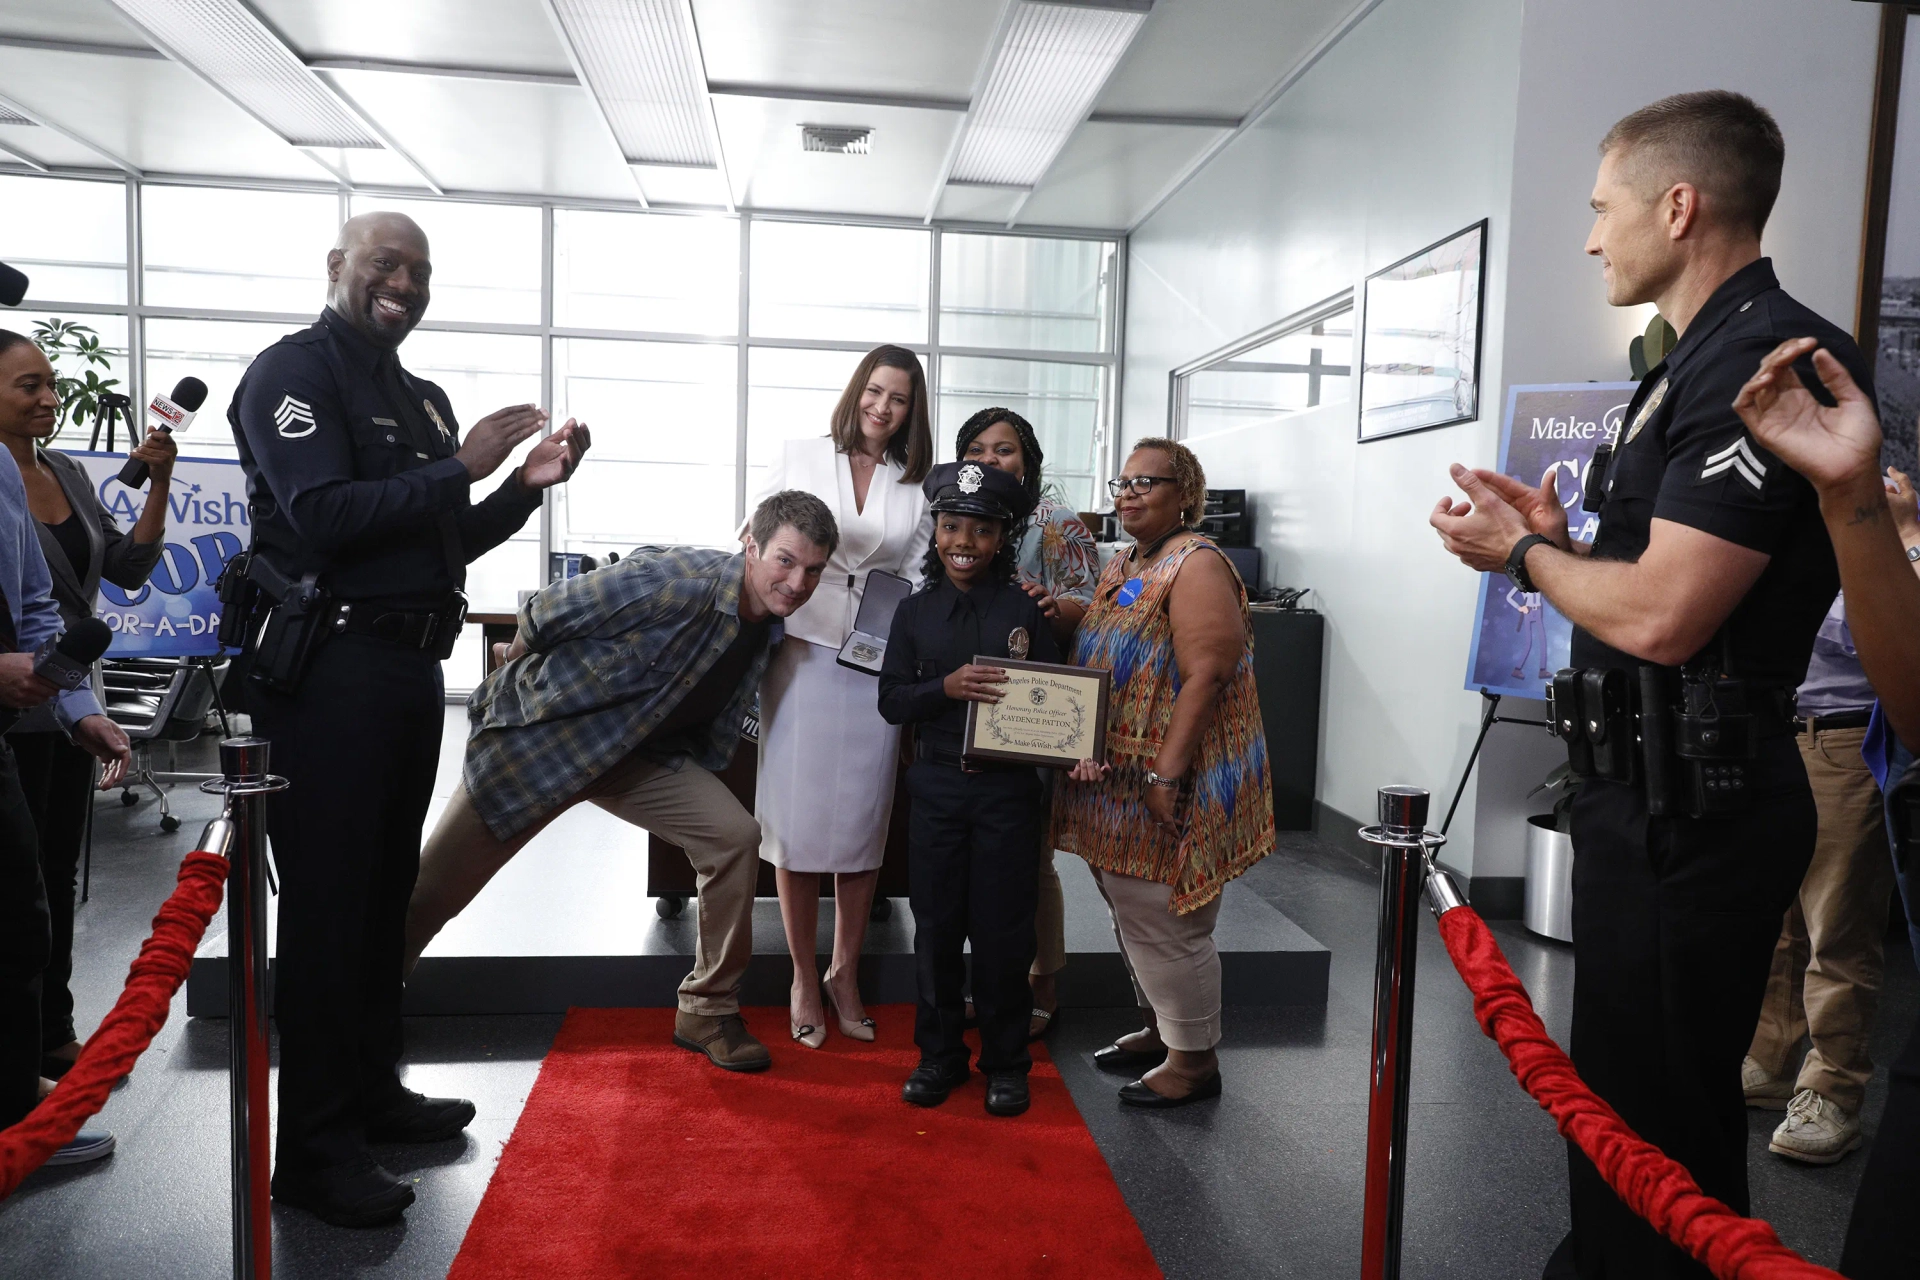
(1155, 780)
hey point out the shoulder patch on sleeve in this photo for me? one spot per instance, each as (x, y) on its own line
(1740, 459)
(293, 418)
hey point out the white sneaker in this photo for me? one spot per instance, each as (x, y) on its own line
(1815, 1131)
(1769, 1093)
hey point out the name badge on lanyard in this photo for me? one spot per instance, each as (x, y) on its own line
(1130, 591)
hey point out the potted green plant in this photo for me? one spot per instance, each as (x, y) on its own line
(78, 359)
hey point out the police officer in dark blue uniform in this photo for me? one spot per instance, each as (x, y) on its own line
(1694, 614)
(350, 597)
(975, 826)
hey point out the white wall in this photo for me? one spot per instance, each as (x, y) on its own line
(1402, 134)
(1809, 62)
(1424, 119)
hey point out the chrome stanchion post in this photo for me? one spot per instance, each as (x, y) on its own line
(1404, 843)
(246, 783)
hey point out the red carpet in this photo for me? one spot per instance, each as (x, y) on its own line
(634, 1158)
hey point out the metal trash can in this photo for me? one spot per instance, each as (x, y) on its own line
(1549, 902)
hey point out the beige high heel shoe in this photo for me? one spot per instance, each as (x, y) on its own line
(861, 1030)
(806, 1033)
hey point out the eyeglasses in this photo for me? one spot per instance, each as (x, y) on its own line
(1139, 486)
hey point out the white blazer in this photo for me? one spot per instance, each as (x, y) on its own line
(890, 533)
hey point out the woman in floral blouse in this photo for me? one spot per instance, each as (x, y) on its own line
(1058, 566)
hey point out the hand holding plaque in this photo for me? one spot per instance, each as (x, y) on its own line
(1049, 715)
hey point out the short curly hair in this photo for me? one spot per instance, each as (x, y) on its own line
(1187, 473)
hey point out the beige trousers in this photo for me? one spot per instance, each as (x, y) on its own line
(1172, 960)
(1049, 920)
(688, 806)
(1825, 980)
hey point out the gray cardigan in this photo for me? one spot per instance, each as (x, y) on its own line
(111, 554)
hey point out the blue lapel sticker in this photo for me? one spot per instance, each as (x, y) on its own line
(1131, 591)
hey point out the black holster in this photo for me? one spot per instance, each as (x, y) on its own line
(276, 622)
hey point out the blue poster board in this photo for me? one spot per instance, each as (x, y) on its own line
(177, 612)
(1520, 640)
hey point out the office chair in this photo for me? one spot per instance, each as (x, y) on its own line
(160, 700)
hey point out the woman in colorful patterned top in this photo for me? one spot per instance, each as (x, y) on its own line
(1058, 566)
(1185, 803)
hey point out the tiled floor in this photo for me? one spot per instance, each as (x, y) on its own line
(1265, 1183)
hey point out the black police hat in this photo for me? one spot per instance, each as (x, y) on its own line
(968, 488)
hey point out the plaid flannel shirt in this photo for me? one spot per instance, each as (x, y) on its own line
(609, 654)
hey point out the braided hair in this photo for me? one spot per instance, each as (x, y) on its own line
(1031, 457)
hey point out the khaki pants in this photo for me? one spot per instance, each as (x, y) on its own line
(1049, 921)
(1172, 960)
(1825, 980)
(688, 806)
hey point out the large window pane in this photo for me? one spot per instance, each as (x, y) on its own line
(215, 351)
(1062, 401)
(71, 364)
(486, 257)
(220, 250)
(790, 396)
(861, 284)
(1021, 291)
(662, 273)
(664, 441)
(69, 237)
(1291, 374)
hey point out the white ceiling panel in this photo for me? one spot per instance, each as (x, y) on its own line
(154, 114)
(501, 35)
(670, 184)
(978, 204)
(365, 168)
(1216, 58)
(1109, 174)
(488, 135)
(48, 147)
(761, 140)
(87, 21)
(921, 48)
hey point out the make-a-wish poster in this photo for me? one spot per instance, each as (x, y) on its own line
(1519, 640)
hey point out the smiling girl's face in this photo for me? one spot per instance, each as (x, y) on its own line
(967, 545)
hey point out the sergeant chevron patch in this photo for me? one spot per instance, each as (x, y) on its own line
(1740, 459)
(294, 418)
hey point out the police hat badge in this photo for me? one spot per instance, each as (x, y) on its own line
(971, 478)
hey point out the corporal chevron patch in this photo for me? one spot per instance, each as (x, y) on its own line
(294, 418)
(1740, 459)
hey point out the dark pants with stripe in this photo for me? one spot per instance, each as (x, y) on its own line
(1674, 922)
(56, 778)
(24, 943)
(359, 743)
(973, 877)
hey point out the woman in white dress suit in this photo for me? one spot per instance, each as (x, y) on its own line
(827, 759)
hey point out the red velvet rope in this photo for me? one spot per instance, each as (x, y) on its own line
(124, 1035)
(1653, 1186)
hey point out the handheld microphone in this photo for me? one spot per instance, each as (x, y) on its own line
(65, 659)
(13, 285)
(174, 413)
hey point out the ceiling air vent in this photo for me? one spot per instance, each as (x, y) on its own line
(834, 139)
(10, 116)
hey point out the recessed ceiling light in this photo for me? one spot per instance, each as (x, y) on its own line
(1045, 76)
(840, 140)
(225, 44)
(641, 61)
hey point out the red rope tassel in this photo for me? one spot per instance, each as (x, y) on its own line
(126, 1032)
(1653, 1186)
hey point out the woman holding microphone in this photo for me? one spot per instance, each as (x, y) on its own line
(827, 759)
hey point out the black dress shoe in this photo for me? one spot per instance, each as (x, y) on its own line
(930, 1084)
(416, 1118)
(1007, 1093)
(1138, 1094)
(1128, 1062)
(361, 1194)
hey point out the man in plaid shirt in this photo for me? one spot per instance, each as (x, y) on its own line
(627, 687)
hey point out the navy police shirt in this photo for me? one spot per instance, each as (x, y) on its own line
(1685, 456)
(938, 630)
(350, 470)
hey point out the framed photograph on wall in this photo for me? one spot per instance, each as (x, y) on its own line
(1420, 338)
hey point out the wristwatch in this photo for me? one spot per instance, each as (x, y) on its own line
(1517, 561)
(1155, 780)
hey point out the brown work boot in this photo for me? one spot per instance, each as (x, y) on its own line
(725, 1040)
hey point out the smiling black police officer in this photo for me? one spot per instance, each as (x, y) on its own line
(358, 484)
(1694, 616)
